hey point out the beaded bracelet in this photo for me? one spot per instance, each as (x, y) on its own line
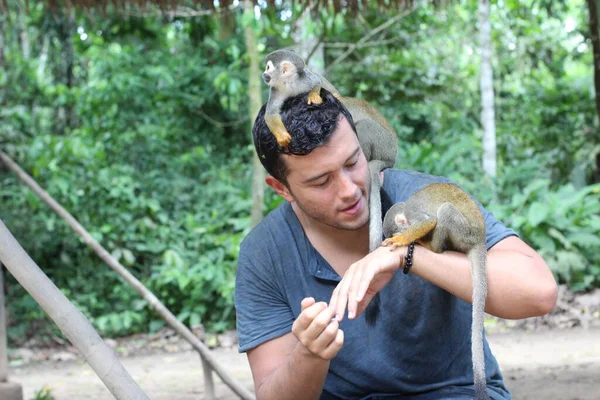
(409, 257)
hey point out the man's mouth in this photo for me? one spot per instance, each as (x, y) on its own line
(353, 209)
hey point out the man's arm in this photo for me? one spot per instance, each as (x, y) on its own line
(520, 284)
(294, 366)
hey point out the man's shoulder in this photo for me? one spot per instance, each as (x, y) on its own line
(267, 231)
(401, 183)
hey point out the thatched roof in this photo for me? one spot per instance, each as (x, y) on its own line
(209, 5)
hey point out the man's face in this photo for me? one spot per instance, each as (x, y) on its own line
(330, 185)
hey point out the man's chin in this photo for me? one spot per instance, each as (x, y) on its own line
(356, 225)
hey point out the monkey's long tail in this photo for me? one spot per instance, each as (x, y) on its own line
(477, 256)
(375, 214)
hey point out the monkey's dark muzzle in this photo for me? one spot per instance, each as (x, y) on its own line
(266, 78)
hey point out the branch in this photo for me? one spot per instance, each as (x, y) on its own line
(365, 44)
(367, 37)
(180, 11)
(317, 44)
(219, 123)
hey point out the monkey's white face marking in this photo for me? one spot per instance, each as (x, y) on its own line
(270, 67)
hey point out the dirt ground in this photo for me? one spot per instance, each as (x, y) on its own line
(556, 364)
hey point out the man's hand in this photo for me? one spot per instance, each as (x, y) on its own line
(317, 331)
(364, 279)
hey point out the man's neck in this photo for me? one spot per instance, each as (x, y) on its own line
(342, 240)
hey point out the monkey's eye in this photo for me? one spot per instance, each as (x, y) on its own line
(270, 67)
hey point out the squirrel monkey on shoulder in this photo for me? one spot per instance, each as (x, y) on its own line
(287, 76)
(440, 216)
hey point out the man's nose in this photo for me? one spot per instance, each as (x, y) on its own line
(347, 186)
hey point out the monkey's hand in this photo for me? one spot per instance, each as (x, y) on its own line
(364, 279)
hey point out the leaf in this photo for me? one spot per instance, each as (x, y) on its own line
(537, 213)
(173, 259)
(560, 237)
(584, 239)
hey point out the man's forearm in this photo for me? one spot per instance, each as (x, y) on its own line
(519, 284)
(301, 377)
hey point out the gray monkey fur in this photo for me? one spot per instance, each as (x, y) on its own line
(459, 225)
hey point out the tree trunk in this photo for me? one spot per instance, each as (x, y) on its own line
(3, 346)
(593, 7)
(69, 57)
(226, 21)
(22, 29)
(2, 62)
(308, 45)
(487, 90)
(41, 69)
(258, 172)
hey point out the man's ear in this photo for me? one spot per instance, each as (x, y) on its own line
(280, 188)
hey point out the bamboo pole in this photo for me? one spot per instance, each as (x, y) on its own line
(152, 300)
(68, 318)
(3, 332)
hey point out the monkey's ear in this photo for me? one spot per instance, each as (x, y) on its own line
(400, 219)
(287, 67)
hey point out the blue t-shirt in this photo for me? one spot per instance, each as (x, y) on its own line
(420, 347)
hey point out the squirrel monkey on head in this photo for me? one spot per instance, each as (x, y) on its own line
(443, 215)
(287, 76)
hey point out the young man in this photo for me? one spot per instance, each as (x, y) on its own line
(292, 325)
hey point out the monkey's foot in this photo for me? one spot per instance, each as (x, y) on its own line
(314, 98)
(283, 137)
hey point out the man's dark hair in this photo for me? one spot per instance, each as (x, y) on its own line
(309, 125)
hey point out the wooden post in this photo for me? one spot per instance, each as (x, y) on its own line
(209, 385)
(3, 341)
(68, 318)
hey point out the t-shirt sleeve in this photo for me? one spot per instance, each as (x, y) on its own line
(495, 230)
(262, 311)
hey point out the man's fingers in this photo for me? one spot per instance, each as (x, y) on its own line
(353, 292)
(307, 316)
(307, 302)
(319, 323)
(342, 297)
(364, 285)
(334, 295)
(335, 346)
(365, 302)
(326, 336)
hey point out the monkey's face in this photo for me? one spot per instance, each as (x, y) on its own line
(280, 74)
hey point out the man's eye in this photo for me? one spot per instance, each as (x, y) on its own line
(323, 183)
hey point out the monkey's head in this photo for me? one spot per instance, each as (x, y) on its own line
(394, 221)
(282, 66)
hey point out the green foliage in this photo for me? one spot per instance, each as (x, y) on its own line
(563, 224)
(146, 142)
(44, 393)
